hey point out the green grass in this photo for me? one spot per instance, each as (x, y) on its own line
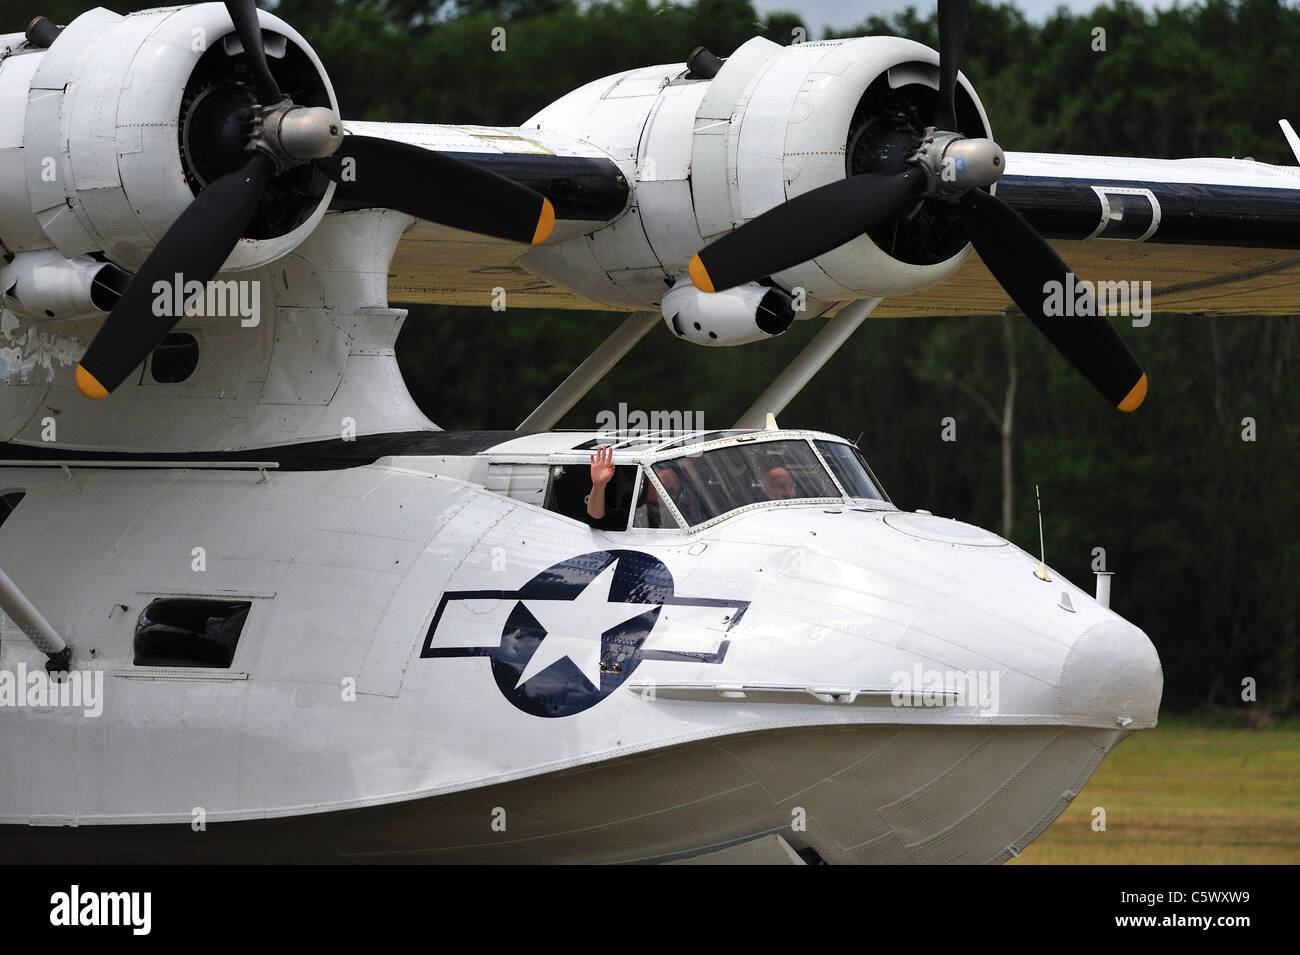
(1186, 792)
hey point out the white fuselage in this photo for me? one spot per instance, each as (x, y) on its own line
(355, 682)
(432, 663)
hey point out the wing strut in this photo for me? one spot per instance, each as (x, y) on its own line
(808, 362)
(595, 367)
(1292, 139)
(31, 622)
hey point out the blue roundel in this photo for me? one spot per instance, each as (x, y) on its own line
(576, 632)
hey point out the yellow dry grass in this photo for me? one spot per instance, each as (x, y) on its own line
(1186, 793)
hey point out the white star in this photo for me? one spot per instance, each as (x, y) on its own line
(574, 627)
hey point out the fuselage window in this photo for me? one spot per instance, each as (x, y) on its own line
(570, 486)
(189, 632)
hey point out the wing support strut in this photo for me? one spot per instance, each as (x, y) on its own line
(808, 362)
(1292, 139)
(585, 377)
(30, 620)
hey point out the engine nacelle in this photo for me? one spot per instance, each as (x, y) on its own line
(746, 313)
(708, 154)
(799, 117)
(120, 124)
(47, 285)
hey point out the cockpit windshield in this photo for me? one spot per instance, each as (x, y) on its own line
(704, 486)
(850, 469)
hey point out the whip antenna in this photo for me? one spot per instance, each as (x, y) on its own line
(1041, 572)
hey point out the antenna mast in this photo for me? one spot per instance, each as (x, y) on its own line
(1041, 572)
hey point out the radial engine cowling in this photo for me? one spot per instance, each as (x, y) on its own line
(746, 313)
(125, 120)
(778, 122)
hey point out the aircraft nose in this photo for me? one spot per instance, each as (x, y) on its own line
(1112, 673)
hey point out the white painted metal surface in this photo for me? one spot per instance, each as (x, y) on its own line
(721, 319)
(345, 571)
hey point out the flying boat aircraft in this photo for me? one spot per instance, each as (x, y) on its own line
(294, 619)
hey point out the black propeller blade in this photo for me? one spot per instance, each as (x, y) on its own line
(952, 31)
(192, 250)
(804, 227)
(430, 185)
(1023, 263)
(243, 13)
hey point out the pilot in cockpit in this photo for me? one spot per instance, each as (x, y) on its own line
(778, 484)
(681, 480)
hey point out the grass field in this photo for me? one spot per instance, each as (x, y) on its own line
(1186, 793)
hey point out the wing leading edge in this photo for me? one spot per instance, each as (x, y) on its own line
(1212, 236)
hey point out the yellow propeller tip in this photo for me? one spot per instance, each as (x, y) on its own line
(89, 385)
(1135, 396)
(545, 222)
(700, 275)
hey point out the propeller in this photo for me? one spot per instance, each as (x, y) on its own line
(946, 166)
(1023, 263)
(808, 225)
(281, 136)
(191, 250)
(433, 186)
(243, 14)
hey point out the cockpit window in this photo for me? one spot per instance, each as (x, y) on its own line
(707, 485)
(651, 511)
(570, 487)
(850, 469)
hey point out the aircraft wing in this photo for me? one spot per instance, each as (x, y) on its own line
(1212, 236)
(440, 265)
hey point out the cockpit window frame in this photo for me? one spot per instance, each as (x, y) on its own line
(645, 461)
(648, 474)
(568, 460)
(862, 459)
(735, 440)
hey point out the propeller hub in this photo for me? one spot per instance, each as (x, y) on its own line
(954, 165)
(291, 135)
(310, 132)
(978, 163)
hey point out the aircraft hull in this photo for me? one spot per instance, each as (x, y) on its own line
(883, 794)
